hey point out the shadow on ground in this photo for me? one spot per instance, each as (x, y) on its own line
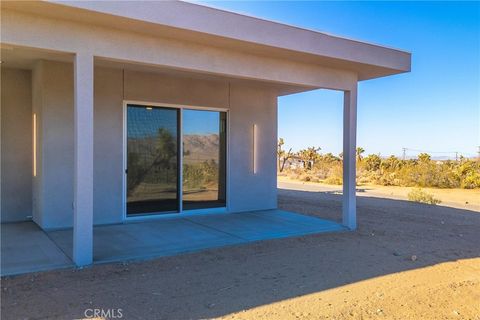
(222, 281)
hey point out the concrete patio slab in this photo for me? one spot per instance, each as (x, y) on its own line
(165, 237)
(147, 239)
(26, 248)
(269, 224)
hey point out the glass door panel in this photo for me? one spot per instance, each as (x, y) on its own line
(152, 160)
(204, 159)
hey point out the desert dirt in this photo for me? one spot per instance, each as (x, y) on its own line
(457, 198)
(405, 261)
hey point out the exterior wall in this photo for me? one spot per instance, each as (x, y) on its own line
(16, 145)
(53, 103)
(108, 146)
(37, 91)
(248, 105)
(248, 191)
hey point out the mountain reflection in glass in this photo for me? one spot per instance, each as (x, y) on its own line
(152, 159)
(204, 159)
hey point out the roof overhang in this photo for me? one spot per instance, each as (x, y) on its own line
(219, 28)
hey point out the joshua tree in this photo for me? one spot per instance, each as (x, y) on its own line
(155, 160)
(391, 163)
(282, 155)
(309, 156)
(372, 162)
(359, 152)
(424, 157)
(329, 158)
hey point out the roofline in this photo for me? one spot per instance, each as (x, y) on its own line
(251, 16)
(205, 25)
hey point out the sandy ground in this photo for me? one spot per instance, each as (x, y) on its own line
(366, 274)
(456, 198)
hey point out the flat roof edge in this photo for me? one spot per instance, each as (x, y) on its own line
(225, 27)
(242, 14)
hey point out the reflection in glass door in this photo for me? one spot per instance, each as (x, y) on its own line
(152, 160)
(204, 159)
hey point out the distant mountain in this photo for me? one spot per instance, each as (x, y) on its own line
(200, 147)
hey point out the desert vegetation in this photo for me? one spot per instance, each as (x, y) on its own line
(311, 165)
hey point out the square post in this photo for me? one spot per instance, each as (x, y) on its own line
(83, 160)
(349, 209)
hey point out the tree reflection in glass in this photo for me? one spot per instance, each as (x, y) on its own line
(152, 159)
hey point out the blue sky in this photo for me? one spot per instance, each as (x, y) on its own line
(201, 122)
(433, 108)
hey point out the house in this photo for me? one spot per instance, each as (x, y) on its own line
(295, 162)
(125, 111)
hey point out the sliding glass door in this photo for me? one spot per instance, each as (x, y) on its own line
(153, 161)
(204, 159)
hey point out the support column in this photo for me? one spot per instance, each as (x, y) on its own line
(83, 160)
(349, 209)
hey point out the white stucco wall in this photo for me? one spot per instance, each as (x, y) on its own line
(53, 101)
(249, 106)
(16, 145)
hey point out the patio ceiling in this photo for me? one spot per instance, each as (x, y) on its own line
(25, 58)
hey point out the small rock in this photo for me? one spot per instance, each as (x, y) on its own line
(442, 222)
(413, 258)
(211, 305)
(396, 254)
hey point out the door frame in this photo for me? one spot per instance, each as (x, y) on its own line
(181, 212)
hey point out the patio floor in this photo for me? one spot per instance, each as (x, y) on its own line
(165, 237)
(27, 248)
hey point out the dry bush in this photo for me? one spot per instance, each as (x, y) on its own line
(334, 180)
(419, 195)
(392, 171)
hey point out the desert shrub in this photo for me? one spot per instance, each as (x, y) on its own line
(197, 175)
(419, 195)
(334, 180)
(389, 179)
(469, 173)
(307, 178)
(391, 163)
(368, 177)
(421, 172)
(471, 181)
(372, 162)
